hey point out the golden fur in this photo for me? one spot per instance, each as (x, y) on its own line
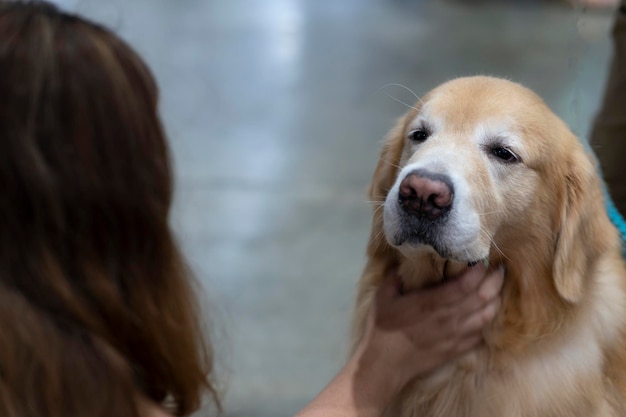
(557, 346)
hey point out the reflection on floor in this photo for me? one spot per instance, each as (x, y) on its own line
(276, 109)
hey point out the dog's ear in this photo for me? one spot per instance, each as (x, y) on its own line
(584, 229)
(381, 255)
(382, 180)
(387, 168)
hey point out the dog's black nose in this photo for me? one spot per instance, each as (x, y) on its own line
(425, 194)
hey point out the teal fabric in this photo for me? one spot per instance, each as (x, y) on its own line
(614, 214)
(617, 219)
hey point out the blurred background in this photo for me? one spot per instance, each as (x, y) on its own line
(276, 110)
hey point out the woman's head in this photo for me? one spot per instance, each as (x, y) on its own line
(94, 295)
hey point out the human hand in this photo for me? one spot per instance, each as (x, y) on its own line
(408, 335)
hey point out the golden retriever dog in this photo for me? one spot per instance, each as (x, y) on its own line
(481, 170)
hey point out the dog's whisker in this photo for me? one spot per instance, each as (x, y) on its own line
(378, 238)
(489, 212)
(374, 219)
(376, 210)
(401, 102)
(500, 251)
(377, 205)
(378, 221)
(378, 199)
(495, 245)
(401, 86)
(390, 163)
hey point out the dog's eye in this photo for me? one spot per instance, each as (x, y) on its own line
(504, 154)
(419, 135)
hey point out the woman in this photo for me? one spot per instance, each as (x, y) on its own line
(96, 305)
(608, 136)
(97, 313)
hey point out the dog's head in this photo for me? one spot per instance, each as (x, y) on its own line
(482, 169)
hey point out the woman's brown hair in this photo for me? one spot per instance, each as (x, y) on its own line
(96, 303)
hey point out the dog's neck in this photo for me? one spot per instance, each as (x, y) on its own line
(424, 267)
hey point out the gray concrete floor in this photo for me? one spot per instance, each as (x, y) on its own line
(276, 109)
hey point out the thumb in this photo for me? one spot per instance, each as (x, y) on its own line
(391, 286)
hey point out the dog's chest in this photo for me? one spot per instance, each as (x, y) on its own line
(534, 388)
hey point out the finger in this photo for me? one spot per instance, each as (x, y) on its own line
(480, 318)
(453, 301)
(450, 299)
(469, 343)
(491, 285)
(391, 285)
(461, 287)
(489, 289)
